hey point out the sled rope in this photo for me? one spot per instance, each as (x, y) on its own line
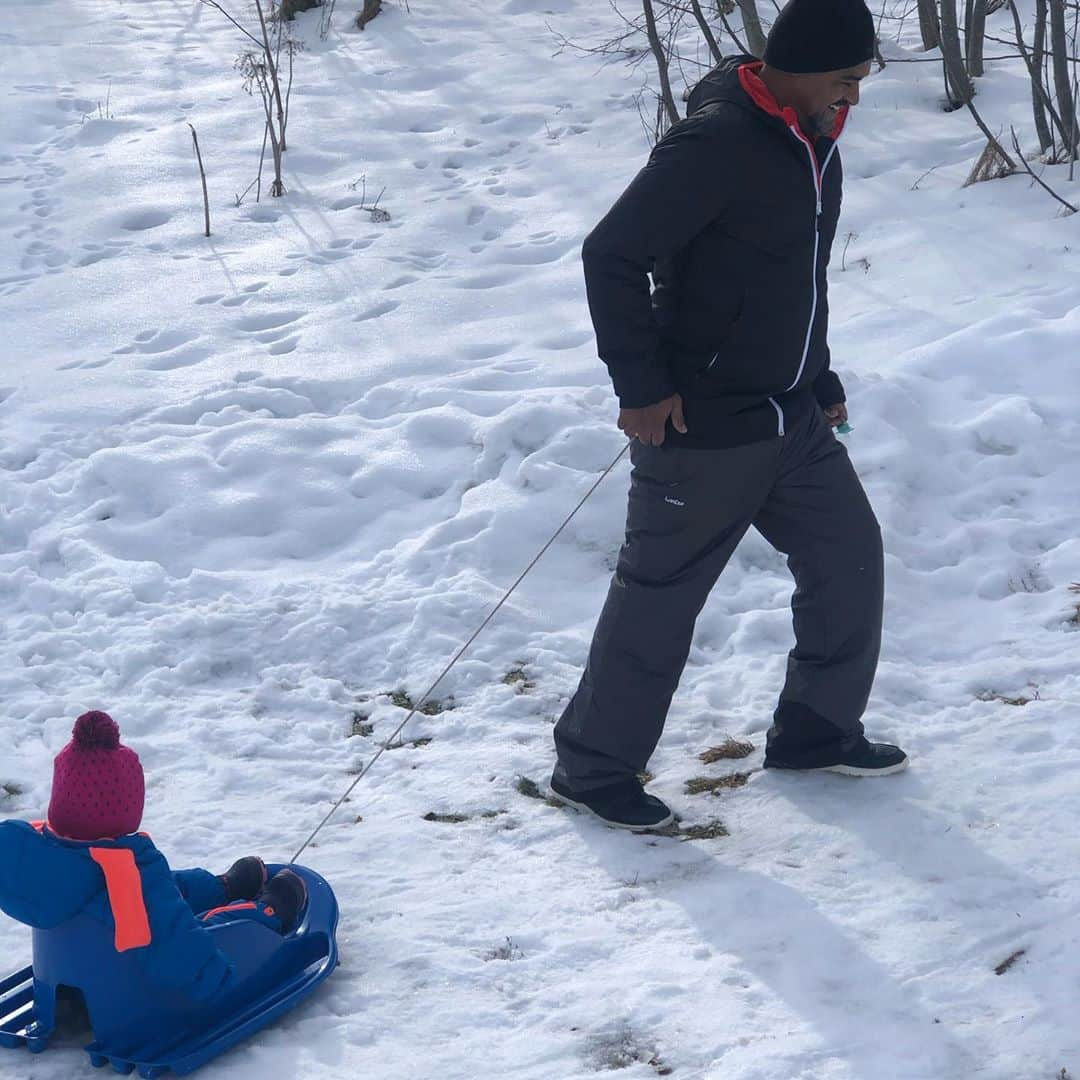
(460, 653)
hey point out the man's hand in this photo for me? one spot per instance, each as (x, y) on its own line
(648, 425)
(836, 414)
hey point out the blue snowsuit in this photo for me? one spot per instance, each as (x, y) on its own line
(126, 885)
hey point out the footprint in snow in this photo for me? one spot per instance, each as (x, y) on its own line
(487, 350)
(378, 311)
(535, 252)
(166, 350)
(96, 253)
(149, 217)
(486, 281)
(285, 345)
(268, 320)
(13, 283)
(246, 293)
(567, 339)
(421, 259)
(342, 248)
(273, 328)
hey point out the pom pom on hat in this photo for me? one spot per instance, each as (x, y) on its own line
(96, 731)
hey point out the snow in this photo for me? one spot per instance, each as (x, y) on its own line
(253, 486)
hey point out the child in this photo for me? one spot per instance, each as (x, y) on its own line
(89, 857)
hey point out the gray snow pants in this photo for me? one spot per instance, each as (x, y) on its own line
(688, 510)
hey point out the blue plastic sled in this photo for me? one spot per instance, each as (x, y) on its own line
(135, 1025)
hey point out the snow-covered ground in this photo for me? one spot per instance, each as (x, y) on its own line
(257, 489)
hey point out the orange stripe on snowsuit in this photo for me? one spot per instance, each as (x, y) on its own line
(124, 884)
(243, 905)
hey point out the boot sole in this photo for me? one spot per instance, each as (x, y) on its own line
(585, 808)
(852, 770)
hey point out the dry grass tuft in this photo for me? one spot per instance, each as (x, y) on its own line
(446, 819)
(729, 750)
(709, 830)
(702, 785)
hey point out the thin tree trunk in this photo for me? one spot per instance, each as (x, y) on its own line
(370, 9)
(262, 160)
(929, 26)
(1035, 66)
(755, 36)
(277, 187)
(271, 66)
(661, 63)
(976, 38)
(957, 84)
(1039, 90)
(1076, 119)
(288, 96)
(1059, 53)
(706, 31)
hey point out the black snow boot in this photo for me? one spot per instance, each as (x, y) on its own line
(285, 895)
(622, 806)
(865, 758)
(244, 880)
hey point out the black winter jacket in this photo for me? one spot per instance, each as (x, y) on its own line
(734, 216)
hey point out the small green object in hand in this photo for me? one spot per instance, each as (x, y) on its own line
(844, 429)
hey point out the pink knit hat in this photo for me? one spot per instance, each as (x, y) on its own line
(98, 789)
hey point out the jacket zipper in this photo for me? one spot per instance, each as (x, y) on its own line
(818, 174)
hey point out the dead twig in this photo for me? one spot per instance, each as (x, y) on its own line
(202, 173)
(1009, 961)
(915, 186)
(1038, 179)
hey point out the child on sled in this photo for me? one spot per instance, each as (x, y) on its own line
(89, 857)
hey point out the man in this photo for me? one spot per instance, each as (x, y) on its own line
(722, 374)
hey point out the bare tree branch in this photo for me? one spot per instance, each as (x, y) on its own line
(706, 31)
(731, 32)
(661, 62)
(239, 26)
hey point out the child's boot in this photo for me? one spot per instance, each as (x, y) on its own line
(284, 896)
(245, 879)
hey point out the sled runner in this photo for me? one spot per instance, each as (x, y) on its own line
(135, 1024)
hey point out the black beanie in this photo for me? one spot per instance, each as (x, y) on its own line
(820, 35)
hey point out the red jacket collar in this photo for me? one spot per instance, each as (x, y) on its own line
(763, 98)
